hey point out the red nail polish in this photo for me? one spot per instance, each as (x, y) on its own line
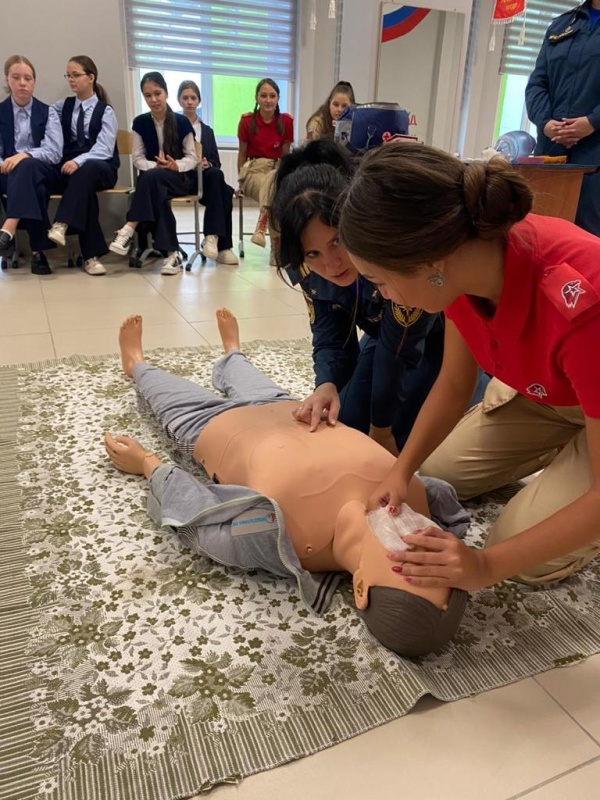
(397, 569)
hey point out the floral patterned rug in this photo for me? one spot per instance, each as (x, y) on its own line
(131, 668)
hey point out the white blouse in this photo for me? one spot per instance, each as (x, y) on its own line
(138, 151)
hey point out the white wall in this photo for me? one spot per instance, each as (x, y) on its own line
(360, 48)
(96, 28)
(49, 32)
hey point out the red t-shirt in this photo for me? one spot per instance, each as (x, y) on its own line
(544, 338)
(267, 142)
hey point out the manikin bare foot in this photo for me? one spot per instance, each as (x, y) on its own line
(130, 342)
(229, 329)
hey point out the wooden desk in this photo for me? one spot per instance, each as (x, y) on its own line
(556, 187)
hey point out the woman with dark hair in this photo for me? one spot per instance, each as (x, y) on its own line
(265, 135)
(521, 295)
(321, 125)
(376, 385)
(164, 154)
(217, 196)
(31, 145)
(90, 161)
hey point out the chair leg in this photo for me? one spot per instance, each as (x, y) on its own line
(197, 252)
(241, 224)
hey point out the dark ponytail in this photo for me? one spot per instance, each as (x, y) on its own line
(88, 66)
(410, 205)
(308, 185)
(253, 124)
(171, 144)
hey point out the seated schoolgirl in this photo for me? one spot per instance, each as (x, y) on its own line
(321, 125)
(90, 161)
(217, 196)
(265, 135)
(165, 156)
(30, 148)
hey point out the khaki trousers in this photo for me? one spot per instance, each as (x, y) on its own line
(256, 177)
(507, 437)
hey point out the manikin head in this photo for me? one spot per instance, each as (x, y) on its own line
(408, 620)
(413, 214)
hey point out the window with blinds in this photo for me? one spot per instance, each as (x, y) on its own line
(519, 59)
(240, 39)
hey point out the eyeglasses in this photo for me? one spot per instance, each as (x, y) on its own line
(68, 75)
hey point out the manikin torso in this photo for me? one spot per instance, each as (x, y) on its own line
(310, 475)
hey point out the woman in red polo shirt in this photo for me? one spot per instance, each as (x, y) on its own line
(265, 135)
(521, 294)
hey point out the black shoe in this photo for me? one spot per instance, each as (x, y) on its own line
(39, 264)
(7, 242)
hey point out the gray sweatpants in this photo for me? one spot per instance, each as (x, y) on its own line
(183, 408)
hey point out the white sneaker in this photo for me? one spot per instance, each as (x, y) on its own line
(228, 257)
(172, 264)
(122, 241)
(93, 267)
(210, 247)
(58, 233)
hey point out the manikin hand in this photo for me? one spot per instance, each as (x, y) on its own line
(441, 560)
(324, 402)
(391, 492)
(125, 454)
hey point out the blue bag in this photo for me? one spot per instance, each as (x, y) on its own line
(364, 126)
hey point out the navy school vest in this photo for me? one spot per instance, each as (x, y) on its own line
(71, 150)
(144, 126)
(39, 118)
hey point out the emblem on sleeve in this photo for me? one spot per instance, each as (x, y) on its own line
(537, 390)
(405, 315)
(571, 292)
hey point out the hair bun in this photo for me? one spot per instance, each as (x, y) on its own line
(495, 196)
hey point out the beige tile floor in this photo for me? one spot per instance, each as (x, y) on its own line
(538, 739)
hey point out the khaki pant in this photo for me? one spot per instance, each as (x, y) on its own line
(507, 437)
(256, 178)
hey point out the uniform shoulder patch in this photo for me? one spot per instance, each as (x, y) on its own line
(405, 315)
(311, 308)
(568, 290)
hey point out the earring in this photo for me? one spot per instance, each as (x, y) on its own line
(437, 279)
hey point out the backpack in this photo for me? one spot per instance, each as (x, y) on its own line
(365, 126)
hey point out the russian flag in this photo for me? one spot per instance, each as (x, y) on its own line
(399, 23)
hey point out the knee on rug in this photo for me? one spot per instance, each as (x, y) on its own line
(410, 625)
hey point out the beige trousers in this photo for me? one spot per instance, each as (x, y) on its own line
(256, 178)
(507, 437)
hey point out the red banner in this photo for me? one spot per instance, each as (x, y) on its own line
(505, 10)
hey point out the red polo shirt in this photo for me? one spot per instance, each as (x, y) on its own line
(267, 142)
(544, 337)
